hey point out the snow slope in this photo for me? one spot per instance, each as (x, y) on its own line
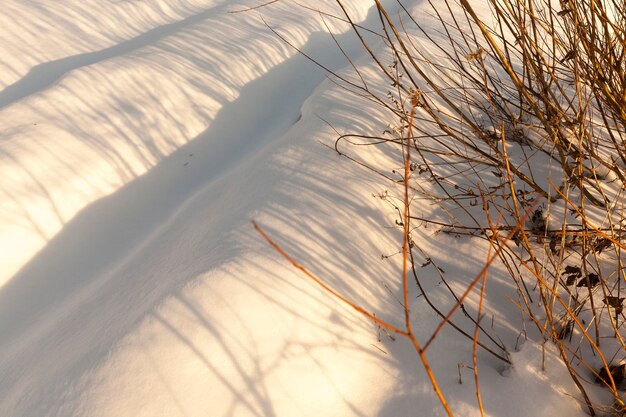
(139, 139)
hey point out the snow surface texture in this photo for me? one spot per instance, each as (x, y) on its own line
(138, 139)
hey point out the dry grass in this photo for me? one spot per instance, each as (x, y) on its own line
(523, 116)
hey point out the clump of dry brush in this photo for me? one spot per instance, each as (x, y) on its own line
(515, 110)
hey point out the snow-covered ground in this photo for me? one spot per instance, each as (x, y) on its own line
(138, 140)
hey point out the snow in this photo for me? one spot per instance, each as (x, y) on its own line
(139, 139)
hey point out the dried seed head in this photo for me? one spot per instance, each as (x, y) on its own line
(416, 98)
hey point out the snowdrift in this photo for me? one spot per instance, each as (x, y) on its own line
(138, 140)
